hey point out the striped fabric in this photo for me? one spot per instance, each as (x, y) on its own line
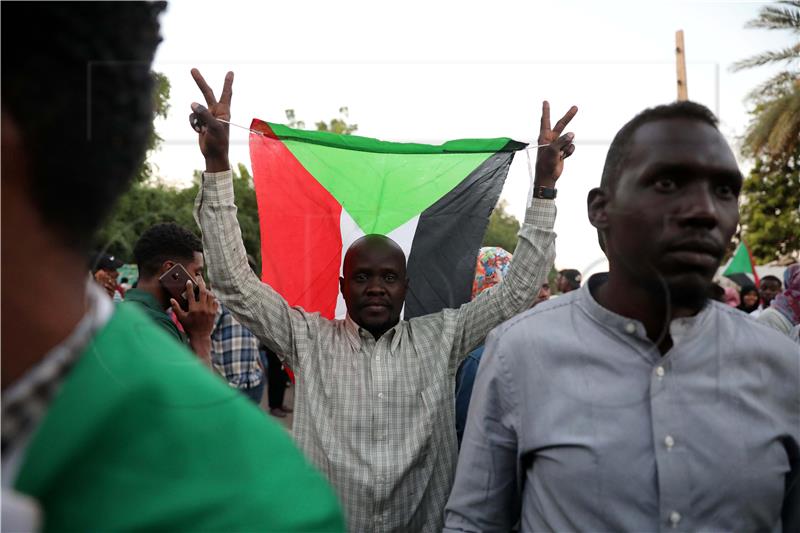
(234, 352)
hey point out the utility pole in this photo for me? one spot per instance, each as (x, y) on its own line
(680, 64)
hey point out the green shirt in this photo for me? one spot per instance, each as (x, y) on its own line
(142, 436)
(152, 308)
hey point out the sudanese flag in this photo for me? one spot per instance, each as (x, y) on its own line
(318, 192)
(741, 268)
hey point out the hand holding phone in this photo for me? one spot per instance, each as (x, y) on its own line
(174, 281)
(199, 313)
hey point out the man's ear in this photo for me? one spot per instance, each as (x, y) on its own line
(341, 285)
(597, 208)
(165, 266)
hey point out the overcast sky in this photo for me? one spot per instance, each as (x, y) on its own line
(434, 71)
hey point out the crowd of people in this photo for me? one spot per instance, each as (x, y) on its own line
(634, 401)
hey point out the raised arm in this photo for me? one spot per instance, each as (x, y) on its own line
(535, 250)
(255, 304)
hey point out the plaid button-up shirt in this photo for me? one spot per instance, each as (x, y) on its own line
(234, 352)
(375, 416)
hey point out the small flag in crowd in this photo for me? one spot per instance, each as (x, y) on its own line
(318, 192)
(741, 268)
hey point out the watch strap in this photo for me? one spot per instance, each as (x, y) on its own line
(545, 193)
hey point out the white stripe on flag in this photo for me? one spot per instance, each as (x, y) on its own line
(403, 235)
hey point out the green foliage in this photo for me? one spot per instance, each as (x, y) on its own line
(502, 229)
(336, 125)
(770, 213)
(774, 129)
(160, 109)
(148, 204)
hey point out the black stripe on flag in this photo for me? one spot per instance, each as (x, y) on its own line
(441, 264)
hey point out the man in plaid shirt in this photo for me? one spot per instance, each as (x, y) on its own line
(374, 397)
(235, 355)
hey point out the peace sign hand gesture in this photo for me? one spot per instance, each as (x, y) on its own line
(550, 158)
(213, 135)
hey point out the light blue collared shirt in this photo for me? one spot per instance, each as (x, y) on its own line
(578, 423)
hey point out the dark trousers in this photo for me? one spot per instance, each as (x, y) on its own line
(276, 380)
(255, 393)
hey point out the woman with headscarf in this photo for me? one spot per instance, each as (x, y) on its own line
(492, 266)
(749, 299)
(784, 313)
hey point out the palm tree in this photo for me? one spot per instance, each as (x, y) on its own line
(775, 128)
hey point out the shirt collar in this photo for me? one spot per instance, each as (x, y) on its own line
(354, 334)
(144, 298)
(680, 328)
(27, 399)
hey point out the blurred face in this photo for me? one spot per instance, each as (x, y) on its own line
(769, 290)
(750, 298)
(544, 294)
(108, 275)
(374, 283)
(562, 284)
(195, 267)
(673, 211)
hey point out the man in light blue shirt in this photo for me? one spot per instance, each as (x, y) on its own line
(636, 403)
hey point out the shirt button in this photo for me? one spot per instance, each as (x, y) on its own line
(380, 395)
(660, 371)
(630, 327)
(669, 442)
(674, 518)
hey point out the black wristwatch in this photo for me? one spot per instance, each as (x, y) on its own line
(545, 193)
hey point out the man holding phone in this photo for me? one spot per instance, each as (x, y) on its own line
(170, 260)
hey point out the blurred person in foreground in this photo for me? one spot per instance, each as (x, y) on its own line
(636, 403)
(374, 402)
(108, 423)
(783, 314)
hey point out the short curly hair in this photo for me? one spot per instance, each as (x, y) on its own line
(77, 83)
(620, 146)
(164, 242)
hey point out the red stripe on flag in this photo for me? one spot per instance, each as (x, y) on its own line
(752, 265)
(301, 242)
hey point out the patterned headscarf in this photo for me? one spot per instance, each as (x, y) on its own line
(788, 302)
(491, 269)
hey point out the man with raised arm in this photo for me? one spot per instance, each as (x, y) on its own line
(374, 397)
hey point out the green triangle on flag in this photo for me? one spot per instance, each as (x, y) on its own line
(741, 268)
(318, 192)
(381, 184)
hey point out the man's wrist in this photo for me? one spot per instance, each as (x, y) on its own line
(544, 193)
(201, 345)
(217, 164)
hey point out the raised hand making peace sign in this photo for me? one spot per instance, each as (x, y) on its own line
(212, 133)
(550, 158)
